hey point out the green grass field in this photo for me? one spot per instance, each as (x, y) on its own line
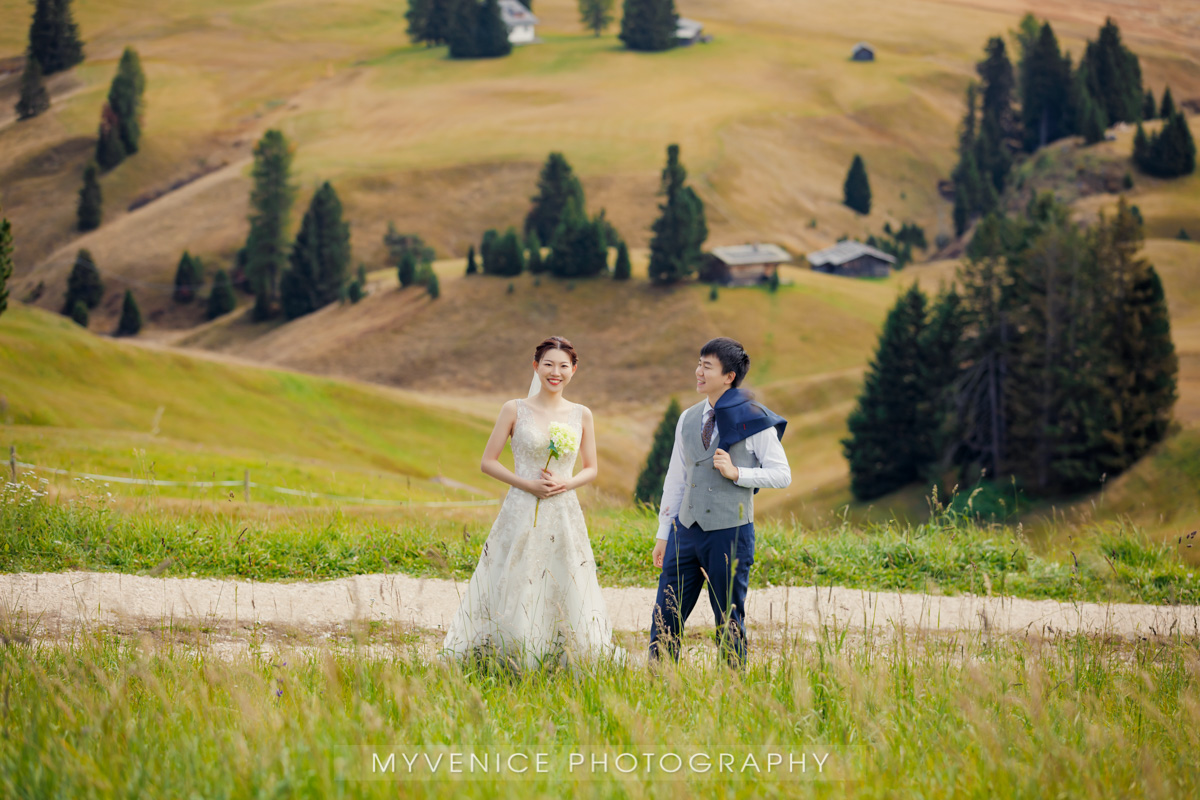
(903, 714)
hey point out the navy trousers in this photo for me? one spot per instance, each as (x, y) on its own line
(725, 555)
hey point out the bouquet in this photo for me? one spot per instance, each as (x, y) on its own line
(562, 443)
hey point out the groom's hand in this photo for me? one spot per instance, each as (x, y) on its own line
(660, 552)
(722, 463)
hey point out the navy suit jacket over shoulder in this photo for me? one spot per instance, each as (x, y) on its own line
(739, 416)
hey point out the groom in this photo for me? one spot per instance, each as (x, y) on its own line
(726, 448)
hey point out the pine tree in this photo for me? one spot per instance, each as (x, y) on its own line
(998, 85)
(596, 15)
(648, 25)
(856, 192)
(486, 251)
(187, 278)
(577, 248)
(491, 32)
(131, 317)
(1145, 364)
(622, 269)
(1093, 122)
(557, 184)
(222, 299)
(1149, 107)
(680, 230)
(472, 268)
(1170, 152)
(888, 446)
(88, 211)
(508, 254)
(1168, 104)
(79, 313)
(83, 283)
(320, 257)
(1114, 76)
(406, 271)
(533, 246)
(649, 486)
(34, 97)
(54, 36)
(110, 149)
(6, 262)
(962, 212)
(1045, 89)
(271, 201)
(125, 99)
(939, 345)
(420, 16)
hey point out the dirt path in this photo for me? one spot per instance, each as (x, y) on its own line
(76, 597)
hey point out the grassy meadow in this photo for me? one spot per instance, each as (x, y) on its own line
(904, 715)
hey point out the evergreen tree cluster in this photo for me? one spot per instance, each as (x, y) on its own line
(648, 25)
(1044, 99)
(558, 218)
(502, 254)
(648, 490)
(1168, 153)
(472, 28)
(680, 230)
(1050, 363)
(899, 243)
(121, 116)
(398, 244)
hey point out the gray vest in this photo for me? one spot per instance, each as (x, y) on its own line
(709, 498)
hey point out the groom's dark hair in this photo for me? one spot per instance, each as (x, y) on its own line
(731, 355)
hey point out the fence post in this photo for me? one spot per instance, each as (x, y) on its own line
(12, 461)
(246, 485)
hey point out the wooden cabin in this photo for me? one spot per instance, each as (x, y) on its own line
(745, 264)
(852, 259)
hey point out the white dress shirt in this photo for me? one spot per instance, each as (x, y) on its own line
(774, 472)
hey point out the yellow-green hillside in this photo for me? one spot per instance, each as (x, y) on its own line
(768, 115)
(73, 400)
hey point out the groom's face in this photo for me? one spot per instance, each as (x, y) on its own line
(709, 375)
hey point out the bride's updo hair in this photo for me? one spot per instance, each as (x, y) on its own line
(556, 343)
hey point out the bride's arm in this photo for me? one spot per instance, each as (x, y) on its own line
(490, 464)
(587, 452)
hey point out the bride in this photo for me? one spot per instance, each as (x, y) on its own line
(534, 595)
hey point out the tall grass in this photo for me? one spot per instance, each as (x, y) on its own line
(951, 553)
(910, 716)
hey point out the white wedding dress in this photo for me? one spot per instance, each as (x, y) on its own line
(534, 596)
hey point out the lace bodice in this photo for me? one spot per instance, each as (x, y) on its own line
(531, 440)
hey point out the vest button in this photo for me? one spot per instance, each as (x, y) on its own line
(694, 486)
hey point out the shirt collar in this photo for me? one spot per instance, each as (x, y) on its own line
(708, 406)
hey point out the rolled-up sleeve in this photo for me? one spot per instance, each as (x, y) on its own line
(775, 473)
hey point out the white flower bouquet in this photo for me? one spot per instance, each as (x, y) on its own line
(563, 442)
